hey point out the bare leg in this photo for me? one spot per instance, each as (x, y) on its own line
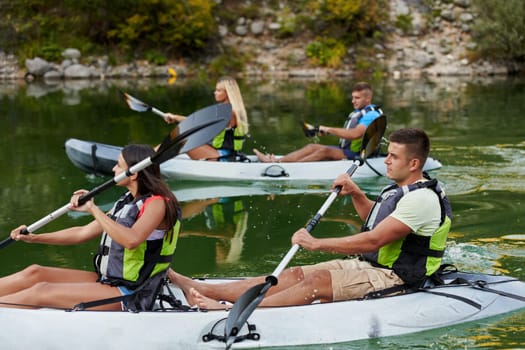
(205, 152)
(34, 274)
(312, 153)
(54, 287)
(64, 295)
(315, 286)
(231, 291)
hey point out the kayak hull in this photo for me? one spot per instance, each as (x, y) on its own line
(100, 158)
(283, 326)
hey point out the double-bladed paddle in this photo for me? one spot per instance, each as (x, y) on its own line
(199, 128)
(247, 302)
(138, 106)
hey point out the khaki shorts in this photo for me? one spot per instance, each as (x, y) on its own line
(353, 278)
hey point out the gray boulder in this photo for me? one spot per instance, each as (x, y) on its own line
(77, 71)
(38, 66)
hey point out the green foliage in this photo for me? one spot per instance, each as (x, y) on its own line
(51, 52)
(156, 57)
(288, 23)
(129, 27)
(349, 20)
(327, 52)
(404, 22)
(363, 63)
(174, 26)
(231, 61)
(500, 28)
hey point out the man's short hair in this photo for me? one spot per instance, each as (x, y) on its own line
(416, 141)
(362, 86)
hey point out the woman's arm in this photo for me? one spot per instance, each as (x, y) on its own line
(173, 118)
(131, 237)
(68, 236)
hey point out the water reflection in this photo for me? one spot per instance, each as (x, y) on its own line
(225, 221)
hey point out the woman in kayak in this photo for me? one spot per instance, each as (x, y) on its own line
(402, 241)
(228, 143)
(138, 241)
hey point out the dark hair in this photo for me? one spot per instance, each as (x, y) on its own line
(416, 142)
(150, 181)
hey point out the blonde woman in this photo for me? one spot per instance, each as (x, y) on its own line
(224, 146)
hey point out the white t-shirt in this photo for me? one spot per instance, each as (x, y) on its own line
(419, 210)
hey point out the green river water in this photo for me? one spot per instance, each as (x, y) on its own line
(476, 128)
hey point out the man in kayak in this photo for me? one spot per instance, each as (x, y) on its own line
(350, 135)
(228, 143)
(402, 241)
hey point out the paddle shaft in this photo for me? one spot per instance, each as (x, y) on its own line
(311, 225)
(158, 112)
(83, 199)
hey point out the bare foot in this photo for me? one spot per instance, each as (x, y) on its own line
(205, 303)
(265, 158)
(185, 283)
(273, 158)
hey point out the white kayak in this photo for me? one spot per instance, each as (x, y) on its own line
(99, 158)
(317, 323)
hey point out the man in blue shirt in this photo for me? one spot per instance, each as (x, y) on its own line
(350, 135)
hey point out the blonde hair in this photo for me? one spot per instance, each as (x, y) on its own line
(235, 98)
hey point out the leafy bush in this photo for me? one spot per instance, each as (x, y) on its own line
(404, 22)
(131, 28)
(288, 23)
(51, 52)
(156, 57)
(231, 61)
(326, 52)
(173, 25)
(500, 28)
(349, 20)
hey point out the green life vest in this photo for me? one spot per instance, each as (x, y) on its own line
(413, 257)
(231, 139)
(119, 266)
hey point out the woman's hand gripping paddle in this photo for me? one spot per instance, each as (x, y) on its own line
(138, 106)
(247, 302)
(199, 128)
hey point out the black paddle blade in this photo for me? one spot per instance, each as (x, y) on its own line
(243, 308)
(373, 136)
(136, 104)
(197, 129)
(309, 130)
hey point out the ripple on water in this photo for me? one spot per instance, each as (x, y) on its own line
(498, 168)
